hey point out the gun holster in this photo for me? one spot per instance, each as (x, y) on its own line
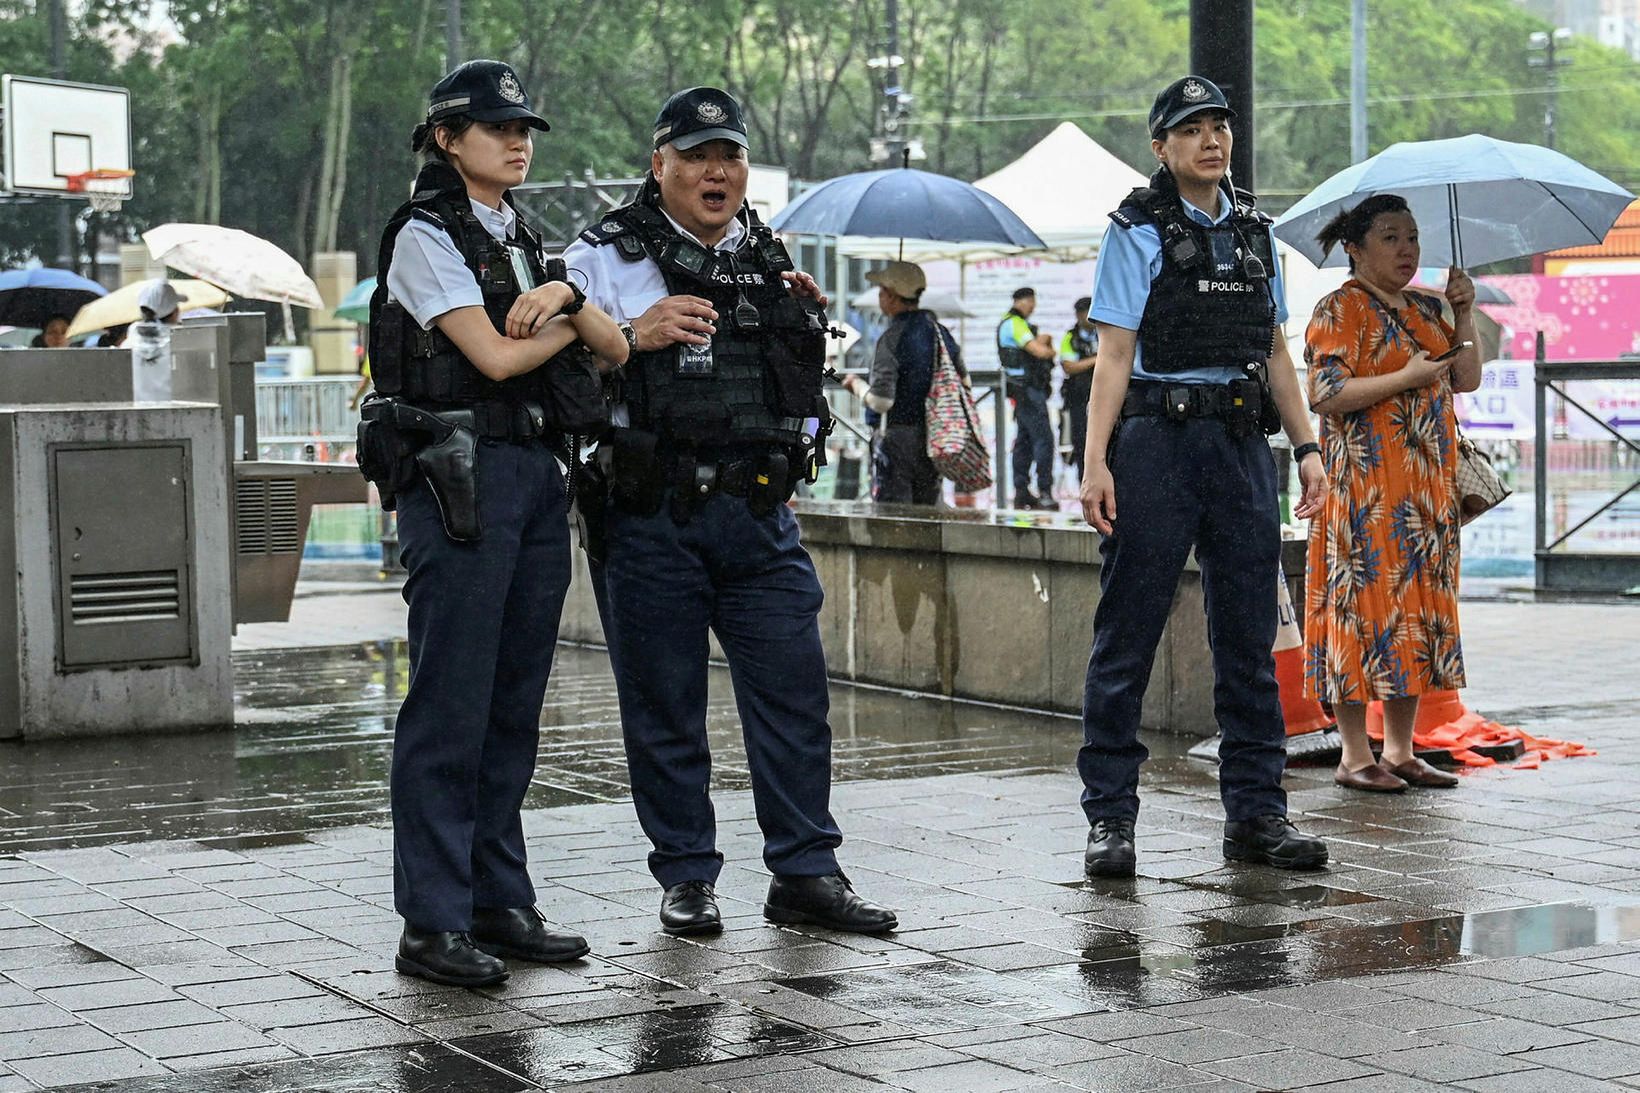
(590, 509)
(450, 464)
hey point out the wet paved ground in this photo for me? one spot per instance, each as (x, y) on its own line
(214, 912)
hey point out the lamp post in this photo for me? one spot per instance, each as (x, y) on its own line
(1542, 48)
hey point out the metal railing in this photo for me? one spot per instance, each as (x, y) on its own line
(306, 411)
(1559, 570)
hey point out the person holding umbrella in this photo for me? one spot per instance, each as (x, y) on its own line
(1381, 617)
(1192, 373)
(54, 335)
(465, 324)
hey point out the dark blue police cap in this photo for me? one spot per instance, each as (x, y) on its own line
(483, 91)
(698, 115)
(1185, 97)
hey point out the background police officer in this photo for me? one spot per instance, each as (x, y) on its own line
(1078, 352)
(1026, 357)
(728, 346)
(1188, 301)
(463, 328)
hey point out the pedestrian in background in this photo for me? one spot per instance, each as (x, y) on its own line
(1192, 373)
(1078, 351)
(1381, 612)
(901, 372)
(1026, 357)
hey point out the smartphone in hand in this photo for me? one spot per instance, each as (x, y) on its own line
(1453, 352)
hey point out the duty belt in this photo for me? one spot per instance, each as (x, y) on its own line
(511, 421)
(1179, 401)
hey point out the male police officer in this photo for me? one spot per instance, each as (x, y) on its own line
(721, 402)
(1078, 351)
(1188, 300)
(1026, 357)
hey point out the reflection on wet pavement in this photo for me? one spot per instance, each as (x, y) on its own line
(163, 897)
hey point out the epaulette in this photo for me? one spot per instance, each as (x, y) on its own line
(1131, 216)
(605, 231)
(418, 212)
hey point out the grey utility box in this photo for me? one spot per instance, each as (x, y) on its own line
(116, 616)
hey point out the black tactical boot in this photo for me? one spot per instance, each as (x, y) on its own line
(690, 908)
(1110, 849)
(1273, 840)
(827, 901)
(446, 956)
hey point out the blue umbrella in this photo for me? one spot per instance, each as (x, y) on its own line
(31, 297)
(1478, 200)
(905, 204)
(355, 306)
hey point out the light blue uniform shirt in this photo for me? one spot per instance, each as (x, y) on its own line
(428, 275)
(1129, 260)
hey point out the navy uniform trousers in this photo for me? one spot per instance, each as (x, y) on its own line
(1184, 484)
(483, 621)
(1033, 441)
(748, 580)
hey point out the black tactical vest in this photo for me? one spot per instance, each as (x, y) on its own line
(760, 377)
(1077, 389)
(1208, 305)
(1020, 366)
(425, 366)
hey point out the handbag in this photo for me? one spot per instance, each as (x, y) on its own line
(1479, 487)
(955, 446)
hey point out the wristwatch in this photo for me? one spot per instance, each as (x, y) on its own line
(631, 337)
(1305, 449)
(578, 299)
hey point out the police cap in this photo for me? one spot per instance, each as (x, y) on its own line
(700, 114)
(1182, 98)
(484, 91)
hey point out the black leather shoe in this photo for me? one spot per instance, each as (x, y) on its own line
(521, 933)
(1110, 849)
(827, 901)
(1273, 840)
(690, 908)
(445, 956)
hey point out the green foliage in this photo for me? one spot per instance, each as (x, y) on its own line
(232, 116)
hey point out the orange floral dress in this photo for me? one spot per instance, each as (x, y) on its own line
(1381, 606)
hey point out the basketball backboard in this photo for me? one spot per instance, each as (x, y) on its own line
(54, 130)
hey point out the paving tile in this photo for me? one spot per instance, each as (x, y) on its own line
(337, 1036)
(1287, 1069)
(62, 1040)
(1040, 1051)
(1119, 1073)
(1626, 1029)
(111, 1065)
(167, 1043)
(1193, 1046)
(1510, 1035)
(1597, 1058)
(1106, 1027)
(1413, 1015)
(41, 1015)
(150, 1015)
(875, 1060)
(972, 1076)
(1445, 1063)
(1552, 1008)
(1537, 1081)
(122, 992)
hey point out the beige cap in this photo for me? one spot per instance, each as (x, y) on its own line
(903, 279)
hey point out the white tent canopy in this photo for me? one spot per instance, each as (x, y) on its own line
(1064, 187)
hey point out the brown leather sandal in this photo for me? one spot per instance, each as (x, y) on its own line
(1372, 778)
(1416, 772)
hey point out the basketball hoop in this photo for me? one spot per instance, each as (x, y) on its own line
(105, 189)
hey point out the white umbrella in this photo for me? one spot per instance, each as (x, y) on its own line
(236, 261)
(120, 306)
(942, 303)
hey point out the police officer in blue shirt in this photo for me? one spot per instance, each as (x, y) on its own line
(1192, 374)
(720, 419)
(476, 342)
(1026, 356)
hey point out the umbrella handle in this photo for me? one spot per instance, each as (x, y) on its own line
(1457, 233)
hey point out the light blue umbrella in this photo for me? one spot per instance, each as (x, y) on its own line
(906, 204)
(355, 306)
(1476, 199)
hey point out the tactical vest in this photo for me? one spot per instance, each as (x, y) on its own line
(424, 366)
(1211, 304)
(1019, 366)
(1077, 389)
(760, 376)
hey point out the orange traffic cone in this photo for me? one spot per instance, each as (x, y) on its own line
(1301, 713)
(1444, 723)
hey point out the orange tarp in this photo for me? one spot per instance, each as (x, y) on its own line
(1444, 723)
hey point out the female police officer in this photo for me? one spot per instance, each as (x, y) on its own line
(1191, 372)
(461, 328)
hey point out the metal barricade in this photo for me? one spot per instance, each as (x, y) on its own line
(293, 414)
(1559, 569)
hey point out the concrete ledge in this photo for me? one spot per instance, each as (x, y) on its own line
(993, 606)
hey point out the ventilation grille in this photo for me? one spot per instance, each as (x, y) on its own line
(267, 519)
(103, 598)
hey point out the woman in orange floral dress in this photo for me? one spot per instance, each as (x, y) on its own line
(1381, 617)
